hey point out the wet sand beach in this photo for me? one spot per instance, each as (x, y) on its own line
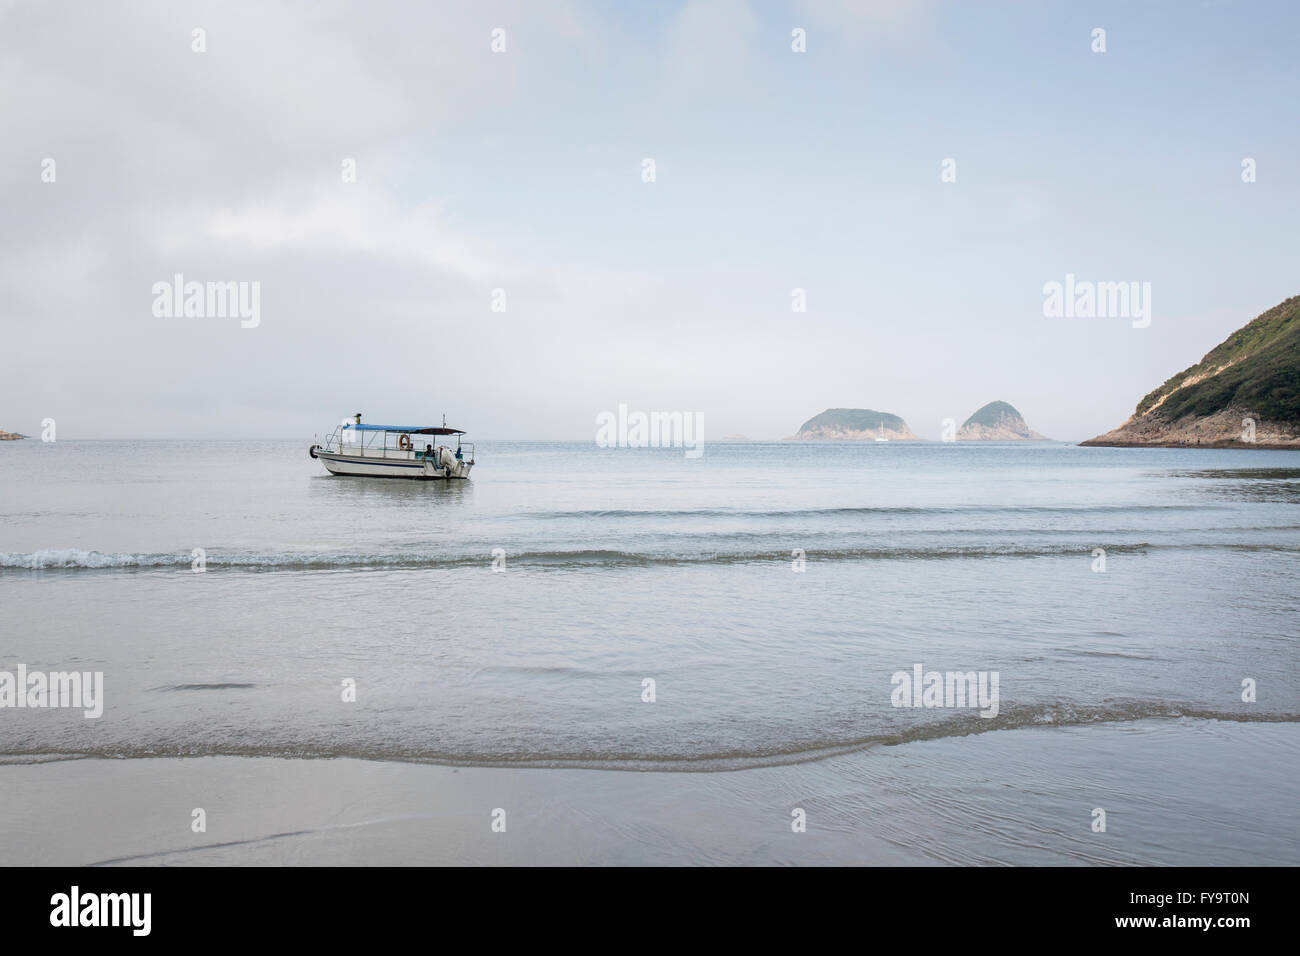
(1023, 796)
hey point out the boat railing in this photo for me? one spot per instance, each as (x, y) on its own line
(335, 444)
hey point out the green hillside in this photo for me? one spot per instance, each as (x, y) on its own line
(991, 415)
(854, 419)
(1264, 375)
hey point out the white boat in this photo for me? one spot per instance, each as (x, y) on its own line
(882, 433)
(394, 451)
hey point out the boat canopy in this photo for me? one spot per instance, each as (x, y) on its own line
(408, 429)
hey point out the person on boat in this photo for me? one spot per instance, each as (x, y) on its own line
(428, 451)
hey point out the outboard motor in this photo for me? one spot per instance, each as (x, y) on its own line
(447, 459)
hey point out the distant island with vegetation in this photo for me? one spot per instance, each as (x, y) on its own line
(996, 421)
(10, 436)
(854, 424)
(1244, 393)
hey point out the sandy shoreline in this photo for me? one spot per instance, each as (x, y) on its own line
(1021, 796)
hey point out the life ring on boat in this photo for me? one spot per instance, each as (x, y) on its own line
(404, 443)
(312, 450)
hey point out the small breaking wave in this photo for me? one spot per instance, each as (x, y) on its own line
(1022, 717)
(215, 560)
(848, 512)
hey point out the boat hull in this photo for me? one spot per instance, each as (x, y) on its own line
(360, 466)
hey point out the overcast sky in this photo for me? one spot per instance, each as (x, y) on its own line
(522, 170)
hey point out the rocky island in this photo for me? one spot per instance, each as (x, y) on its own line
(1245, 393)
(854, 424)
(10, 436)
(998, 421)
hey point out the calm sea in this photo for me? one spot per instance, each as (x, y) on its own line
(762, 595)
